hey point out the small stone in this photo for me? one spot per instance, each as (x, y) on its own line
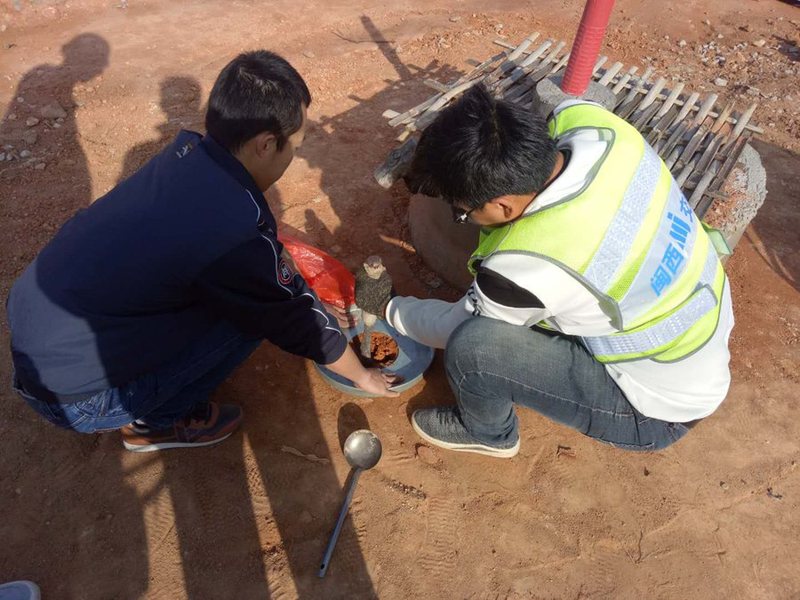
(774, 494)
(25, 154)
(18, 491)
(720, 82)
(53, 111)
(20, 99)
(30, 137)
(760, 43)
(56, 125)
(706, 22)
(31, 121)
(724, 485)
(455, 19)
(11, 117)
(40, 167)
(309, 54)
(9, 157)
(682, 43)
(498, 27)
(2, 156)
(426, 454)
(720, 36)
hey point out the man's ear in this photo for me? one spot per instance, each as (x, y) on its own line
(265, 143)
(506, 205)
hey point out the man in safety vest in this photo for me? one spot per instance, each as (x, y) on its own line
(598, 298)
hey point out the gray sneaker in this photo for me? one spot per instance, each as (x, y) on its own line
(442, 427)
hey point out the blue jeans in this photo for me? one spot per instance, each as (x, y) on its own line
(492, 365)
(158, 398)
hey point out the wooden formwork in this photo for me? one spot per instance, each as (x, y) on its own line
(699, 141)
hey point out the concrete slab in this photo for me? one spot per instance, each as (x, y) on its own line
(549, 95)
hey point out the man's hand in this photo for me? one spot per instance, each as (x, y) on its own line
(377, 383)
(372, 381)
(345, 318)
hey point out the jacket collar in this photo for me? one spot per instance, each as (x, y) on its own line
(231, 165)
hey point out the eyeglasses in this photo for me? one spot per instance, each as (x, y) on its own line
(460, 215)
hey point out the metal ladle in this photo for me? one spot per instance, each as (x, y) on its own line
(362, 450)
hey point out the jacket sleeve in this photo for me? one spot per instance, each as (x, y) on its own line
(427, 321)
(256, 288)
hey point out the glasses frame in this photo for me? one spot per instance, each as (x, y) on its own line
(461, 216)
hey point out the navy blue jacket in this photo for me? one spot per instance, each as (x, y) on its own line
(131, 281)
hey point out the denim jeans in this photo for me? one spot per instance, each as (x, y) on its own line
(158, 398)
(492, 365)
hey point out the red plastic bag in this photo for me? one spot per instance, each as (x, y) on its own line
(329, 278)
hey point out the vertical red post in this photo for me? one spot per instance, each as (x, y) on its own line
(586, 46)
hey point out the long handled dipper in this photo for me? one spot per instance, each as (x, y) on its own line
(362, 449)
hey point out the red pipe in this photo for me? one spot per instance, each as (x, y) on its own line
(586, 46)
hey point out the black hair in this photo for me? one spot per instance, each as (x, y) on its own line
(256, 92)
(480, 148)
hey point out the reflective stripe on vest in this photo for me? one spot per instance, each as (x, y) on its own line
(616, 244)
(666, 259)
(641, 249)
(666, 331)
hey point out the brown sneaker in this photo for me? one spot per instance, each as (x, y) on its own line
(206, 425)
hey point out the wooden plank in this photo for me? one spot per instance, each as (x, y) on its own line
(742, 121)
(623, 81)
(630, 101)
(439, 87)
(610, 73)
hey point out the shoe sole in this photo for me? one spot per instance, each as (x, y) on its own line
(170, 445)
(474, 448)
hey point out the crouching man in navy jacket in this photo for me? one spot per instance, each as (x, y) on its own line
(146, 301)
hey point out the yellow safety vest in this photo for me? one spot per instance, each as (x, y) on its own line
(631, 238)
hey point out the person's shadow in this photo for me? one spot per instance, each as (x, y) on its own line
(252, 516)
(180, 98)
(39, 131)
(774, 233)
(71, 518)
(346, 149)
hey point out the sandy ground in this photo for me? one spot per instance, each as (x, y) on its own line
(715, 516)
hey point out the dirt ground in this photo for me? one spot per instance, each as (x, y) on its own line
(715, 516)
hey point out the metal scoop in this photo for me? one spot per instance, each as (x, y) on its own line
(362, 450)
